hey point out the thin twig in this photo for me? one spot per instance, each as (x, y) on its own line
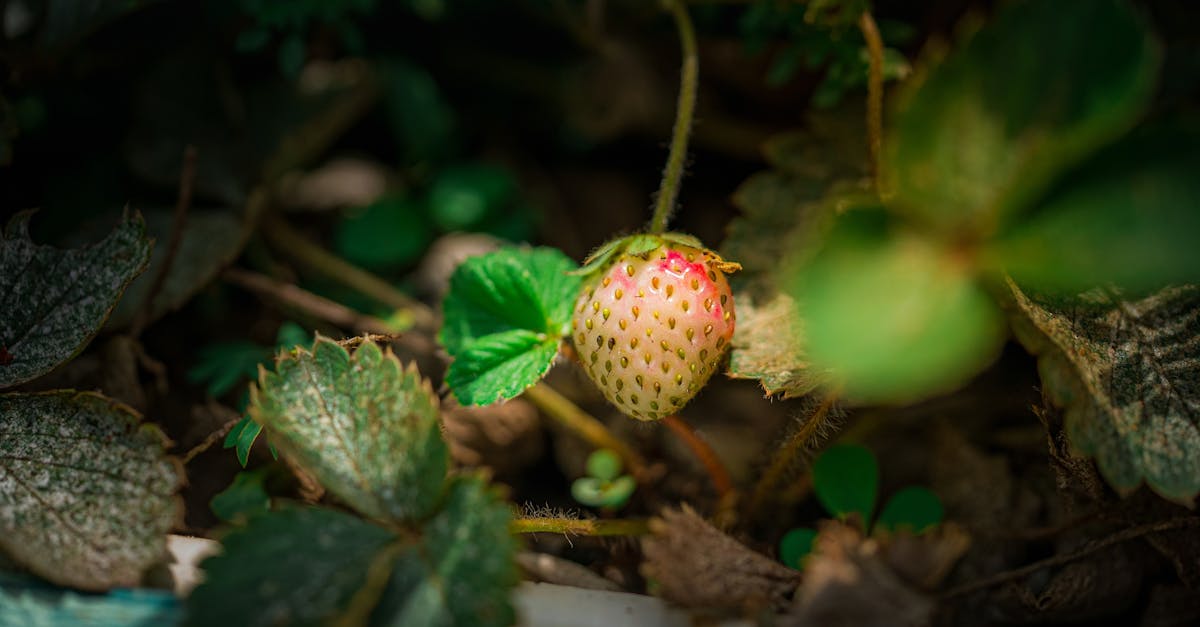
(581, 527)
(870, 32)
(209, 441)
(786, 455)
(717, 472)
(668, 190)
(308, 254)
(584, 425)
(187, 179)
(1058, 560)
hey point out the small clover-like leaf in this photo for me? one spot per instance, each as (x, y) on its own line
(463, 570)
(1126, 373)
(1032, 93)
(87, 493)
(56, 300)
(795, 545)
(914, 509)
(604, 464)
(364, 426)
(504, 317)
(297, 566)
(846, 480)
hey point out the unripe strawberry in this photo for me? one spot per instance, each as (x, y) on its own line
(653, 324)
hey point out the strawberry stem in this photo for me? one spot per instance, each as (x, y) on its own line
(668, 190)
(786, 455)
(581, 527)
(569, 415)
(870, 33)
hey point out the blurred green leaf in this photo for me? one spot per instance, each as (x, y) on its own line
(465, 196)
(89, 492)
(914, 508)
(290, 335)
(846, 481)
(365, 427)
(604, 464)
(56, 300)
(419, 115)
(245, 497)
(298, 566)
(891, 315)
(462, 572)
(1125, 371)
(386, 235)
(796, 545)
(1129, 217)
(504, 317)
(1031, 94)
(222, 365)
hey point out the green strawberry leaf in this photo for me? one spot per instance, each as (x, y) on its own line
(365, 427)
(31, 602)
(1125, 372)
(795, 545)
(56, 300)
(891, 315)
(222, 365)
(87, 492)
(212, 239)
(463, 570)
(846, 481)
(1039, 88)
(297, 566)
(1129, 217)
(914, 509)
(504, 317)
(246, 496)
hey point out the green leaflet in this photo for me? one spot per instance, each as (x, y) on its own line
(87, 493)
(56, 300)
(364, 426)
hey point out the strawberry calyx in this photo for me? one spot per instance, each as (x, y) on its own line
(643, 245)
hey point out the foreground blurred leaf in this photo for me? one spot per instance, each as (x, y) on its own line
(212, 238)
(894, 317)
(1131, 217)
(1127, 373)
(363, 425)
(290, 567)
(1038, 89)
(846, 481)
(29, 602)
(55, 300)
(462, 572)
(505, 315)
(87, 494)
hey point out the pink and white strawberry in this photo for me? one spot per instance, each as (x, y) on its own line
(654, 322)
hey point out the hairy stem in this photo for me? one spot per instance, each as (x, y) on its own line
(579, 527)
(786, 455)
(584, 425)
(668, 190)
(870, 33)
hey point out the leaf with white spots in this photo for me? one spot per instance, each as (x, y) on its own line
(52, 301)
(87, 493)
(462, 572)
(504, 317)
(363, 425)
(290, 567)
(1127, 373)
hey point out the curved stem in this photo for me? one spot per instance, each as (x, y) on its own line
(786, 454)
(584, 425)
(579, 527)
(717, 473)
(870, 32)
(668, 190)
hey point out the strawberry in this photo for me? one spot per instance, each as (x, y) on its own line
(654, 321)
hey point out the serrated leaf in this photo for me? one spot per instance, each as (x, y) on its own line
(914, 509)
(891, 315)
(846, 480)
(364, 426)
(87, 493)
(1128, 217)
(28, 602)
(56, 300)
(212, 238)
(463, 571)
(768, 346)
(1031, 94)
(504, 317)
(1127, 373)
(297, 566)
